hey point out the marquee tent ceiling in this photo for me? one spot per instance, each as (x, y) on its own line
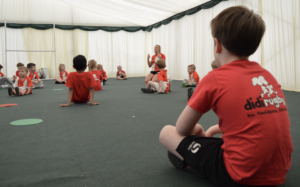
(93, 12)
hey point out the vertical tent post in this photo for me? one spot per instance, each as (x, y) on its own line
(5, 50)
(54, 48)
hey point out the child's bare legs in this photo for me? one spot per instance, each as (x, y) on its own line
(155, 79)
(149, 77)
(119, 78)
(170, 138)
(211, 131)
(151, 84)
(22, 92)
(58, 79)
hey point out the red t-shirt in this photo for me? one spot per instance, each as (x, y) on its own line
(26, 83)
(2, 74)
(154, 60)
(195, 76)
(98, 77)
(162, 76)
(63, 74)
(119, 73)
(17, 73)
(103, 73)
(81, 83)
(253, 117)
(33, 76)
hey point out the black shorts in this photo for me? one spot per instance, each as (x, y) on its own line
(154, 72)
(205, 156)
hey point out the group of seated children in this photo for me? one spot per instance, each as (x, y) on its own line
(25, 80)
(163, 85)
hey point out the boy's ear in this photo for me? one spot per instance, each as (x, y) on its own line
(218, 45)
(74, 67)
(85, 67)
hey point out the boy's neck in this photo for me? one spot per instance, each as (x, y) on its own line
(80, 71)
(32, 72)
(22, 77)
(161, 69)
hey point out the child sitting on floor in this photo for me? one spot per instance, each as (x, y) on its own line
(193, 77)
(103, 73)
(162, 86)
(121, 75)
(37, 82)
(23, 84)
(96, 74)
(17, 72)
(81, 84)
(4, 79)
(62, 75)
(256, 146)
(190, 91)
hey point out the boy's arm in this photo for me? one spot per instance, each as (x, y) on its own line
(213, 130)
(161, 85)
(70, 95)
(187, 121)
(92, 97)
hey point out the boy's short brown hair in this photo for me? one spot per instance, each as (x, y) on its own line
(161, 63)
(214, 64)
(30, 65)
(20, 64)
(99, 66)
(192, 66)
(24, 68)
(239, 30)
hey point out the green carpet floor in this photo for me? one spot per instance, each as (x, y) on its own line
(104, 145)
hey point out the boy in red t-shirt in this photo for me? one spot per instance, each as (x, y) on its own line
(23, 84)
(81, 84)
(17, 72)
(37, 82)
(256, 145)
(193, 77)
(162, 86)
(103, 73)
(121, 75)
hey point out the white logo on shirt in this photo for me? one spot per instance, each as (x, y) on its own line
(261, 81)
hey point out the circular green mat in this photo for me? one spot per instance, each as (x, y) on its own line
(26, 122)
(58, 89)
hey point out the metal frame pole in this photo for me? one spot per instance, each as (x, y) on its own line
(54, 37)
(5, 50)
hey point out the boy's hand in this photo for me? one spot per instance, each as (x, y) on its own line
(159, 55)
(64, 105)
(148, 55)
(95, 103)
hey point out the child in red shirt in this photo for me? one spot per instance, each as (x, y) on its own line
(17, 72)
(96, 74)
(121, 75)
(193, 76)
(103, 73)
(62, 75)
(23, 84)
(81, 84)
(162, 86)
(4, 79)
(256, 145)
(37, 82)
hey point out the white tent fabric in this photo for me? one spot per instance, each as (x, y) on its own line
(184, 41)
(93, 12)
